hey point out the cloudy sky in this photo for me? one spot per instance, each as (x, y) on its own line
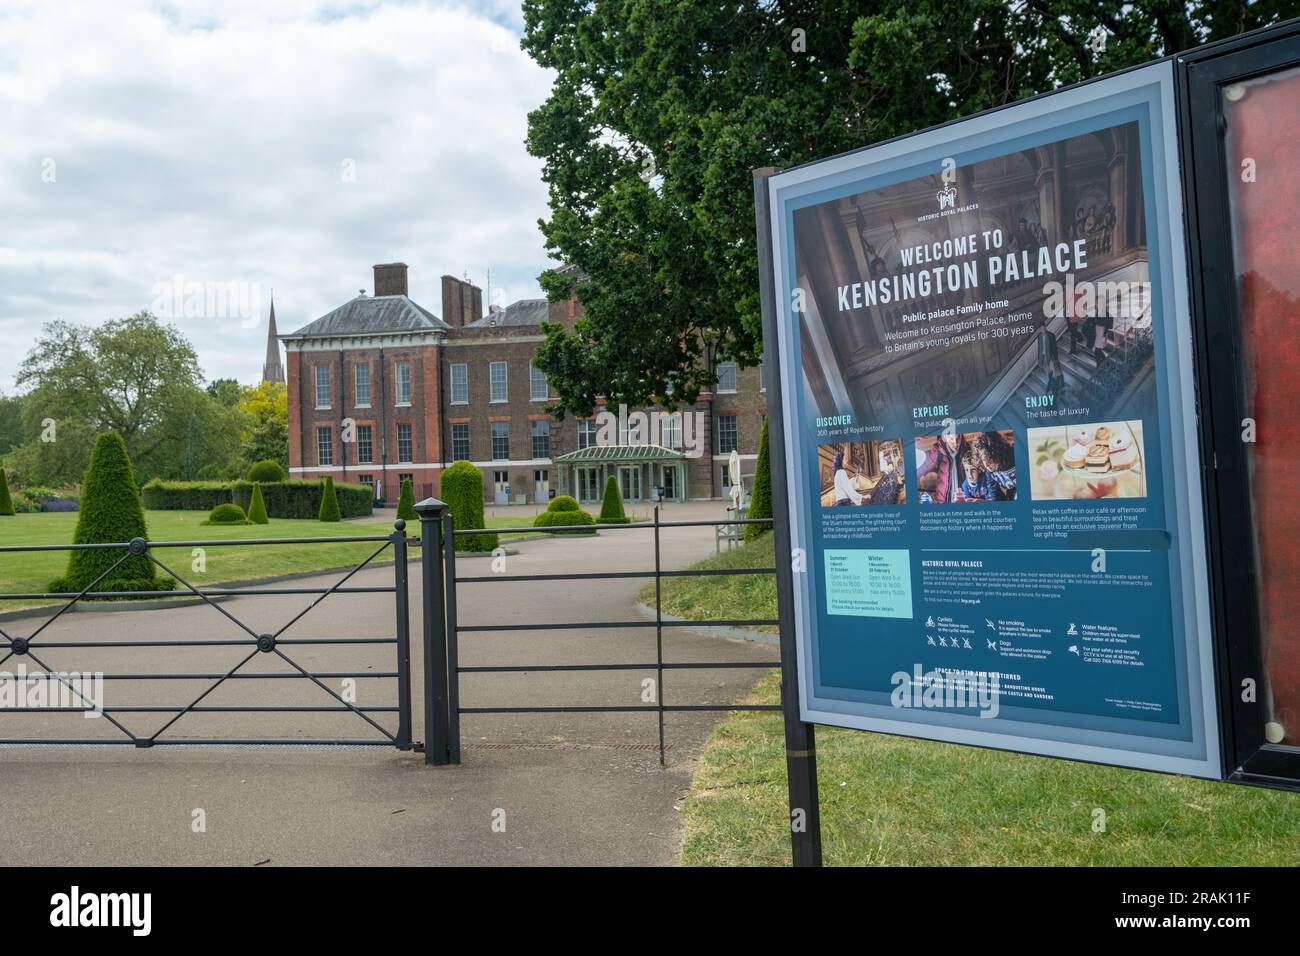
(227, 149)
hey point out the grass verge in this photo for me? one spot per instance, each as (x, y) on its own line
(894, 801)
(723, 597)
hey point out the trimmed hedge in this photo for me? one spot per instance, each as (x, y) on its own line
(302, 499)
(110, 513)
(159, 495)
(548, 519)
(283, 499)
(462, 489)
(760, 501)
(6, 501)
(256, 506)
(329, 502)
(227, 514)
(611, 506)
(564, 503)
(406, 501)
(267, 470)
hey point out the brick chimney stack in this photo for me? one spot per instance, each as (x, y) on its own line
(390, 279)
(462, 302)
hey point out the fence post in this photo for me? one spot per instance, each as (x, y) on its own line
(453, 645)
(401, 591)
(659, 639)
(431, 511)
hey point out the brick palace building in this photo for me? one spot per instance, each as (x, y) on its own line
(381, 389)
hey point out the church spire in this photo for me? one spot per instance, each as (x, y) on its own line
(272, 370)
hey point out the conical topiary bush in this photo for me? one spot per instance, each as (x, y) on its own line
(462, 489)
(406, 501)
(611, 506)
(6, 500)
(329, 502)
(110, 513)
(760, 502)
(256, 506)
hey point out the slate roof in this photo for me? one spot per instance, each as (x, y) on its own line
(372, 315)
(523, 312)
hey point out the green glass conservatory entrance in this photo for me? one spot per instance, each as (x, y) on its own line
(643, 472)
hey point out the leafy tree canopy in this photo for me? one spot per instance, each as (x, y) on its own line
(660, 109)
(137, 377)
(123, 376)
(226, 391)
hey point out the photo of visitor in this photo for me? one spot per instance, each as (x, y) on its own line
(954, 468)
(862, 473)
(1101, 460)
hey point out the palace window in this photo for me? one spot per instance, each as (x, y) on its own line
(670, 431)
(322, 386)
(497, 382)
(541, 439)
(402, 382)
(460, 384)
(405, 446)
(324, 445)
(726, 376)
(365, 445)
(500, 441)
(361, 383)
(460, 442)
(538, 391)
(726, 434)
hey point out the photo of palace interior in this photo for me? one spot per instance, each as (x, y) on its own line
(1088, 187)
(863, 463)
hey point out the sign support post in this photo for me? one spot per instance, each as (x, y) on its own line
(800, 739)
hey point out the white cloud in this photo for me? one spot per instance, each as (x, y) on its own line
(209, 140)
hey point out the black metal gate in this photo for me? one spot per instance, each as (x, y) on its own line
(443, 710)
(441, 639)
(251, 642)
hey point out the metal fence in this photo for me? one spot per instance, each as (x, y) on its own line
(244, 648)
(442, 630)
(442, 633)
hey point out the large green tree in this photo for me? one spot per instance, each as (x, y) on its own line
(11, 416)
(265, 423)
(659, 110)
(137, 377)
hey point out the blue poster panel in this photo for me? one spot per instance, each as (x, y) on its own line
(985, 351)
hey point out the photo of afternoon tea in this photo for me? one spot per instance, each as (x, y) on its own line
(1102, 460)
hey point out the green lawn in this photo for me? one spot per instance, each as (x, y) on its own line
(890, 801)
(717, 597)
(33, 571)
(897, 802)
(27, 572)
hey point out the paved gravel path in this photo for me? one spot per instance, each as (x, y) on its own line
(571, 789)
